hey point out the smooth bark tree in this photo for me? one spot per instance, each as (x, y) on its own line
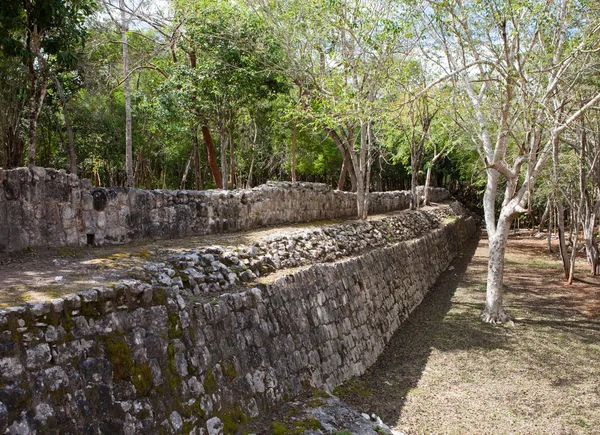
(124, 27)
(510, 64)
(123, 14)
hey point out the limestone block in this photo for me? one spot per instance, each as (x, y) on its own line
(10, 368)
(38, 356)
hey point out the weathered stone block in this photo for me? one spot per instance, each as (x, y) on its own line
(38, 356)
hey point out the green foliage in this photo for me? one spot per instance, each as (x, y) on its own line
(58, 25)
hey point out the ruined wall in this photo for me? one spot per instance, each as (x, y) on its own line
(49, 208)
(140, 358)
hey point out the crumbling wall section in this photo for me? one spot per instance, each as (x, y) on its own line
(49, 208)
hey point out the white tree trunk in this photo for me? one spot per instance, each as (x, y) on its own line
(127, 92)
(426, 191)
(494, 310)
(294, 139)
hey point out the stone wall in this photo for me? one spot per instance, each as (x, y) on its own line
(49, 208)
(141, 358)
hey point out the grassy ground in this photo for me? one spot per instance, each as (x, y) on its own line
(445, 372)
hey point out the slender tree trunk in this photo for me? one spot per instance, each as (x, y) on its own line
(550, 223)
(37, 93)
(343, 172)
(560, 221)
(249, 181)
(573, 256)
(186, 171)
(494, 311)
(196, 154)
(70, 135)
(362, 191)
(232, 178)
(414, 181)
(223, 149)
(33, 78)
(427, 182)
(294, 138)
(127, 92)
(351, 171)
(212, 157)
(544, 216)
(591, 247)
(347, 153)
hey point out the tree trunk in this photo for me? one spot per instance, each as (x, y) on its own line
(346, 152)
(414, 181)
(573, 255)
(497, 239)
(37, 93)
(494, 311)
(127, 92)
(294, 137)
(560, 218)
(212, 157)
(223, 149)
(343, 172)
(352, 172)
(70, 135)
(186, 171)
(362, 187)
(550, 223)
(591, 247)
(232, 180)
(544, 216)
(249, 181)
(426, 190)
(196, 154)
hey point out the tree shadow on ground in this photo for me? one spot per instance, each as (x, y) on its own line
(437, 324)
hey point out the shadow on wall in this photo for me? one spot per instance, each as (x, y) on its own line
(431, 326)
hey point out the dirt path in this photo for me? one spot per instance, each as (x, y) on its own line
(445, 372)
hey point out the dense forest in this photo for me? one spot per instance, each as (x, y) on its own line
(495, 100)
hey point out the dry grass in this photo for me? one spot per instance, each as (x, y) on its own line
(445, 372)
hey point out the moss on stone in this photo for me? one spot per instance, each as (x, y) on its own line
(119, 354)
(142, 379)
(210, 383)
(229, 370)
(278, 428)
(143, 414)
(159, 296)
(89, 311)
(170, 372)
(68, 322)
(233, 420)
(174, 330)
(354, 386)
(295, 427)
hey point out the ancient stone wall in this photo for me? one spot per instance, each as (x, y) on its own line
(49, 208)
(142, 358)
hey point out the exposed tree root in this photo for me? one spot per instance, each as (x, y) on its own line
(498, 317)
